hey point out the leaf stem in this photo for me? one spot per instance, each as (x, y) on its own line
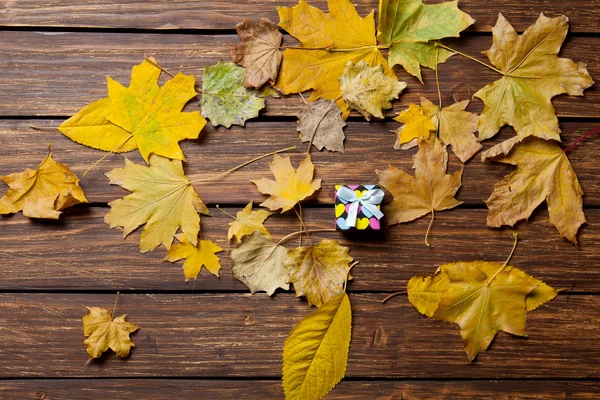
(115, 306)
(106, 155)
(199, 90)
(515, 235)
(47, 157)
(470, 58)
(225, 212)
(210, 178)
(299, 214)
(312, 137)
(332, 49)
(437, 80)
(348, 273)
(585, 136)
(41, 128)
(393, 295)
(430, 223)
(291, 235)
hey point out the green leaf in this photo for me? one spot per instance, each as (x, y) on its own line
(315, 353)
(409, 26)
(225, 100)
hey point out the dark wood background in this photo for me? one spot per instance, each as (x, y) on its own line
(210, 338)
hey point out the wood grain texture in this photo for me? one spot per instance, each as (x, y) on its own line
(155, 389)
(80, 252)
(223, 14)
(369, 147)
(56, 74)
(233, 335)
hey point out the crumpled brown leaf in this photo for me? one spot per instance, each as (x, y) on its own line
(323, 119)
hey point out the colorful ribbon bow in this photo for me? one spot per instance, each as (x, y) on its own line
(368, 201)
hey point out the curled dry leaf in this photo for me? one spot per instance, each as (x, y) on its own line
(323, 120)
(259, 51)
(196, 256)
(258, 264)
(304, 68)
(246, 222)
(409, 28)
(161, 197)
(430, 190)
(105, 332)
(290, 186)
(225, 100)
(417, 127)
(532, 74)
(368, 90)
(543, 173)
(318, 272)
(456, 127)
(43, 192)
(482, 297)
(143, 116)
(315, 353)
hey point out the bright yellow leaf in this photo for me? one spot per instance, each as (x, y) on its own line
(543, 173)
(318, 272)
(43, 192)
(196, 256)
(342, 34)
(104, 332)
(162, 198)
(417, 127)
(315, 353)
(246, 222)
(290, 186)
(533, 74)
(425, 292)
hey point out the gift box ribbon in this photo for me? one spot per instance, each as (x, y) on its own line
(368, 201)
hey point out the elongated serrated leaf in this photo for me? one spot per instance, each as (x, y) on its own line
(315, 353)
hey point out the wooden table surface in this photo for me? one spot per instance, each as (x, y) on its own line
(211, 339)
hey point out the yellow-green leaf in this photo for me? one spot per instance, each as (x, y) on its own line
(408, 27)
(318, 272)
(315, 353)
(196, 256)
(161, 197)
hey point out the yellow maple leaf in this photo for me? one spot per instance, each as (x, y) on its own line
(456, 127)
(417, 127)
(532, 74)
(144, 115)
(104, 332)
(290, 186)
(342, 34)
(483, 298)
(543, 174)
(161, 197)
(315, 353)
(196, 256)
(246, 222)
(43, 192)
(318, 272)
(431, 189)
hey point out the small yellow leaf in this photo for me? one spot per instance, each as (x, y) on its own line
(246, 222)
(196, 256)
(104, 332)
(417, 127)
(315, 353)
(543, 173)
(161, 197)
(318, 272)
(290, 186)
(43, 192)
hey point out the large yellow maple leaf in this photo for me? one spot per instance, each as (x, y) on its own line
(328, 42)
(543, 173)
(161, 197)
(290, 186)
(43, 192)
(532, 74)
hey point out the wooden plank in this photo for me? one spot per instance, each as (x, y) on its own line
(237, 335)
(154, 389)
(369, 147)
(80, 252)
(66, 71)
(219, 14)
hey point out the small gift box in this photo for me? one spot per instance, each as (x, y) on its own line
(358, 207)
